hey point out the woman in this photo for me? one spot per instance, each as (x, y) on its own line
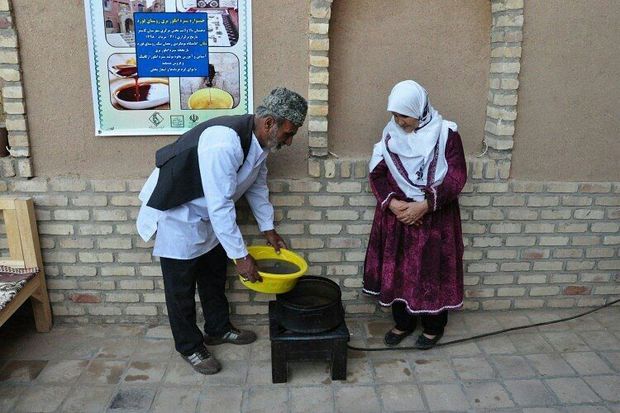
(414, 260)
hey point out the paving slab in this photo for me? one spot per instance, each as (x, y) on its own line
(487, 395)
(259, 372)
(261, 399)
(88, 399)
(587, 363)
(9, 395)
(479, 323)
(142, 371)
(42, 398)
(586, 409)
(572, 368)
(260, 350)
(22, 371)
(392, 371)
(600, 340)
(608, 387)
(549, 365)
(445, 397)
(431, 370)
(103, 372)
(609, 319)
(512, 367)
(228, 352)
(357, 399)
(176, 399)
(132, 399)
(531, 392)
(613, 358)
(473, 368)
(159, 332)
(307, 373)
(153, 349)
(62, 371)
(312, 399)
(497, 345)
(566, 341)
(464, 349)
(530, 343)
(233, 373)
(572, 390)
(401, 397)
(179, 372)
(359, 372)
(119, 348)
(225, 398)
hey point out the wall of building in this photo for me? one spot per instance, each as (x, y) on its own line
(530, 243)
(61, 120)
(568, 96)
(441, 45)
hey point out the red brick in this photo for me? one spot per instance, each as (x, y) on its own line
(577, 290)
(533, 255)
(85, 298)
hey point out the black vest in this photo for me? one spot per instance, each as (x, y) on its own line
(179, 175)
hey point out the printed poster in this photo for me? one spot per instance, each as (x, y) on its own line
(160, 67)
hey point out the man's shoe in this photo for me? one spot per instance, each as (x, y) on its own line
(391, 338)
(203, 362)
(425, 343)
(233, 336)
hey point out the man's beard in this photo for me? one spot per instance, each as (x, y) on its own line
(272, 141)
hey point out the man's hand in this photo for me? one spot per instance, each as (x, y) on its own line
(248, 269)
(274, 239)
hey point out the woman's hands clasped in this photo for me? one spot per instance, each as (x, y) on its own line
(409, 213)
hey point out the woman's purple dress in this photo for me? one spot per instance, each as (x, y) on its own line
(420, 266)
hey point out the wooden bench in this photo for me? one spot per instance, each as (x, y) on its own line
(24, 260)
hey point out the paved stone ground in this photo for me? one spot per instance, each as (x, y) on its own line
(567, 367)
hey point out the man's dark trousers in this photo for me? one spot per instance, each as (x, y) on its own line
(208, 271)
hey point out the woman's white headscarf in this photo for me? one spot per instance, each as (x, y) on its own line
(409, 156)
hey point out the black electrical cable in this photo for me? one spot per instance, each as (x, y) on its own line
(492, 333)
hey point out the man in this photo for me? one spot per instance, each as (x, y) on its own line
(189, 200)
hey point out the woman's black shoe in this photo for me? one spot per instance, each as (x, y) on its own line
(425, 343)
(392, 339)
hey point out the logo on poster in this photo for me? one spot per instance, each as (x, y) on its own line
(177, 121)
(156, 119)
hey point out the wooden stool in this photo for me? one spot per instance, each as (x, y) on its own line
(25, 254)
(288, 346)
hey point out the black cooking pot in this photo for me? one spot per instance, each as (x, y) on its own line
(312, 306)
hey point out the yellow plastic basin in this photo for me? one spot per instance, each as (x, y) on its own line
(275, 283)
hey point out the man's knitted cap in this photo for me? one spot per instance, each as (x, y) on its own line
(287, 104)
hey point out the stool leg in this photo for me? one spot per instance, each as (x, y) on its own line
(41, 306)
(339, 361)
(278, 363)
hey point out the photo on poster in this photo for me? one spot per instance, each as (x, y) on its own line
(130, 92)
(119, 20)
(219, 90)
(223, 19)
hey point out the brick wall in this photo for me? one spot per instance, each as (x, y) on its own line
(528, 244)
(13, 103)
